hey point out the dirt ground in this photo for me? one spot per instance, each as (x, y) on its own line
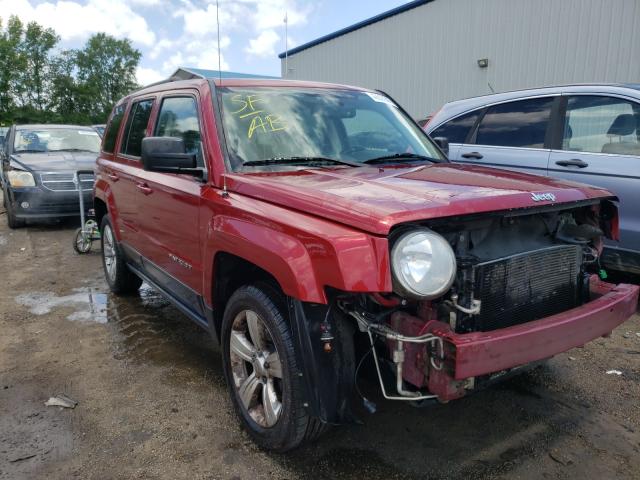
(152, 401)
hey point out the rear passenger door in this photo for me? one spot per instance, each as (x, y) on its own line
(513, 135)
(601, 146)
(169, 207)
(123, 174)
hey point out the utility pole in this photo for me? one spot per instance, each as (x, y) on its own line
(286, 45)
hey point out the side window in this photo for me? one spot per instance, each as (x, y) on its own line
(111, 134)
(602, 125)
(516, 124)
(136, 128)
(179, 118)
(456, 130)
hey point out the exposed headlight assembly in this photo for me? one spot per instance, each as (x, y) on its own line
(423, 265)
(20, 178)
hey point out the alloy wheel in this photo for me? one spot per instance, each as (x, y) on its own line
(256, 368)
(109, 253)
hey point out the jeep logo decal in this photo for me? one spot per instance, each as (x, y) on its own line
(539, 197)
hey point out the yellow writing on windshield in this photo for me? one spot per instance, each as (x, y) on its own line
(253, 107)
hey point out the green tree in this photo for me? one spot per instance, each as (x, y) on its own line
(10, 64)
(38, 84)
(106, 72)
(34, 57)
(65, 98)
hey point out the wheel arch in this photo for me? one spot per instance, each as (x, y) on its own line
(231, 272)
(328, 378)
(100, 209)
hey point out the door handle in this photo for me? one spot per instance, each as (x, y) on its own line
(574, 162)
(144, 188)
(475, 155)
(113, 176)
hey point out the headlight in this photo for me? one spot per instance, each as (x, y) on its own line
(423, 263)
(18, 178)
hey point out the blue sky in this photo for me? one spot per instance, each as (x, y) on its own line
(172, 33)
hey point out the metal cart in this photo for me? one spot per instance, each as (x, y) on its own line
(89, 230)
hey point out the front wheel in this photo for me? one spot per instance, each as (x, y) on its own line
(262, 375)
(12, 221)
(121, 280)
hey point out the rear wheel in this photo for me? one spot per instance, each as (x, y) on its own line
(262, 375)
(120, 279)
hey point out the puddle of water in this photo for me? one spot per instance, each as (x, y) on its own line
(143, 328)
(3, 240)
(92, 305)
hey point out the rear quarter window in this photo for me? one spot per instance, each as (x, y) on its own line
(111, 133)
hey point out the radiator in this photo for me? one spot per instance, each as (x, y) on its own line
(527, 286)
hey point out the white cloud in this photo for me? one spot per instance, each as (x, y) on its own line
(258, 18)
(73, 20)
(199, 54)
(160, 46)
(145, 3)
(145, 76)
(264, 44)
(271, 13)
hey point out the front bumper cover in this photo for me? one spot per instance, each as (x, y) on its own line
(44, 203)
(477, 354)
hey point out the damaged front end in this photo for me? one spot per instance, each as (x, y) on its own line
(479, 297)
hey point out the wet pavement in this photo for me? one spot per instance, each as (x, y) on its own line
(153, 404)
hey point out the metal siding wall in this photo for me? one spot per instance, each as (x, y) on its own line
(427, 56)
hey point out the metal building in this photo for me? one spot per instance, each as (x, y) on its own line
(428, 52)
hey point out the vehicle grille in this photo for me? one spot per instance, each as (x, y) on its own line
(527, 286)
(63, 182)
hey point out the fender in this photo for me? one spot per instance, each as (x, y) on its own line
(281, 255)
(305, 254)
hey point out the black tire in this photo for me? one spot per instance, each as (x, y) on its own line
(294, 425)
(81, 245)
(121, 280)
(12, 221)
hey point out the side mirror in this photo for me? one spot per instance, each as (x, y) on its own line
(443, 143)
(168, 155)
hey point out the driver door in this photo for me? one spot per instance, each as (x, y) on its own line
(169, 204)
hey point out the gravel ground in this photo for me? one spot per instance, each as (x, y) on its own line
(153, 404)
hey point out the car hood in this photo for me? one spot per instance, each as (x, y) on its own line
(375, 199)
(55, 161)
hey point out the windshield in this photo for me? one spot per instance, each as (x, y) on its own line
(267, 123)
(56, 140)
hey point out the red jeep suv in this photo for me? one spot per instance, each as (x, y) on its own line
(306, 226)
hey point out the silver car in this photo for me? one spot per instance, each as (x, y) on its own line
(585, 133)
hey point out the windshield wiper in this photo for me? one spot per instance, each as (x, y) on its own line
(30, 150)
(297, 160)
(412, 157)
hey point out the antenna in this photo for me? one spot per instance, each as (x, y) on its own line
(225, 193)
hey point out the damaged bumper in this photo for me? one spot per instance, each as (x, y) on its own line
(478, 354)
